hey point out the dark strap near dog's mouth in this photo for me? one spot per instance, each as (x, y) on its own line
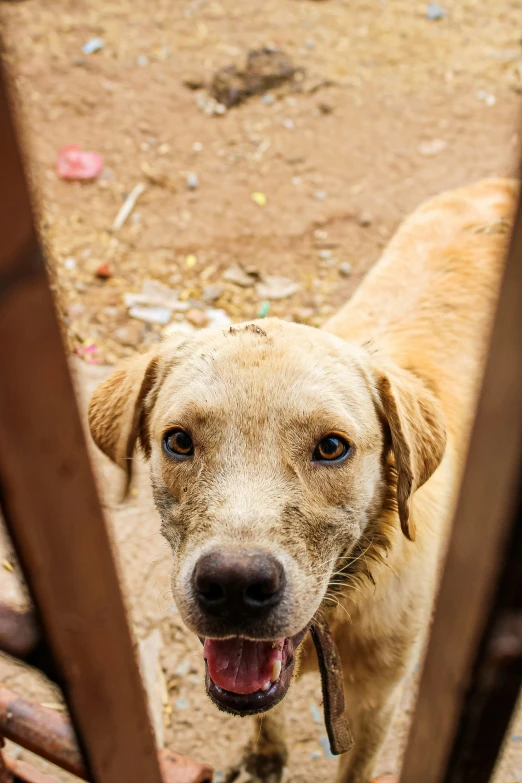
(337, 724)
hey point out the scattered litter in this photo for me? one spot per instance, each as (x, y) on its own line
(192, 181)
(93, 46)
(197, 146)
(486, 97)
(259, 198)
(7, 565)
(310, 43)
(88, 352)
(154, 681)
(320, 195)
(263, 310)
(431, 148)
(143, 60)
(267, 99)
(264, 69)
(325, 254)
(74, 164)
(128, 206)
(288, 124)
(345, 269)
(156, 294)
(218, 318)
(103, 272)
(315, 755)
(272, 287)
(325, 744)
(151, 315)
(317, 715)
(70, 263)
(181, 703)
(240, 276)
(435, 12)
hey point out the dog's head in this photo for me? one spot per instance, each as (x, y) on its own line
(274, 449)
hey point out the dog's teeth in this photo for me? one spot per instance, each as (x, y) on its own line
(266, 686)
(276, 670)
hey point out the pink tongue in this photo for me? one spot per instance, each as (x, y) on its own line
(239, 665)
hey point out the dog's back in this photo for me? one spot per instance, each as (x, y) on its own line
(428, 302)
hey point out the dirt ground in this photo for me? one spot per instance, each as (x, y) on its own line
(307, 181)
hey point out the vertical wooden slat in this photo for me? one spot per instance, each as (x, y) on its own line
(467, 688)
(50, 504)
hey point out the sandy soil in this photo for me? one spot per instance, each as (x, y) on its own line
(394, 108)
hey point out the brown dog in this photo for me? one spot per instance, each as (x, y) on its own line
(286, 461)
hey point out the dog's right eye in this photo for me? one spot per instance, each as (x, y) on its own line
(178, 443)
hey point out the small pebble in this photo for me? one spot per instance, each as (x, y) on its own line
(143, 60)
(345, 269)
(431, 148)
(320, 195)
(197, 318)
(365, 219)
(182, 704)
(197, 146)
(315, 755)
(325, 254)
(212, 292)
(289, 124)
(325, 108)
(435, 12)
(486, 97)
(310, 43)
(70, 263)
(192, 181)
(268, 99)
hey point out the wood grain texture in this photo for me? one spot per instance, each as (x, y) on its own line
(477, 564)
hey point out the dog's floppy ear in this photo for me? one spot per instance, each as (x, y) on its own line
(418, 435)
(116, 410)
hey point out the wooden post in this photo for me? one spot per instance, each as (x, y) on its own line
(51, 506)
(473, 669)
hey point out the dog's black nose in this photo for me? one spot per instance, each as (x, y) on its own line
(238, 583)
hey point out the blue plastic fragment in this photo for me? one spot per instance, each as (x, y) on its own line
(316, 713)
(325, 744)
(434, 12)
(92, 46)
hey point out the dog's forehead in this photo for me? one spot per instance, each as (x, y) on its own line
(264, 365)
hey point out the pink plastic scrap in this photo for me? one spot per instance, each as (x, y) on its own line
(73, 163)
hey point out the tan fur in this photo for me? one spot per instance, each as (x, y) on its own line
(397, 371)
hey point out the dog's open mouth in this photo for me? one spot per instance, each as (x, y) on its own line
(247, 677)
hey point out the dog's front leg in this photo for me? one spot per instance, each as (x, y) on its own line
(371, 710)
(265, 756)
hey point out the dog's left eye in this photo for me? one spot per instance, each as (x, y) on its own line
(333, 448)
(178, 443)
